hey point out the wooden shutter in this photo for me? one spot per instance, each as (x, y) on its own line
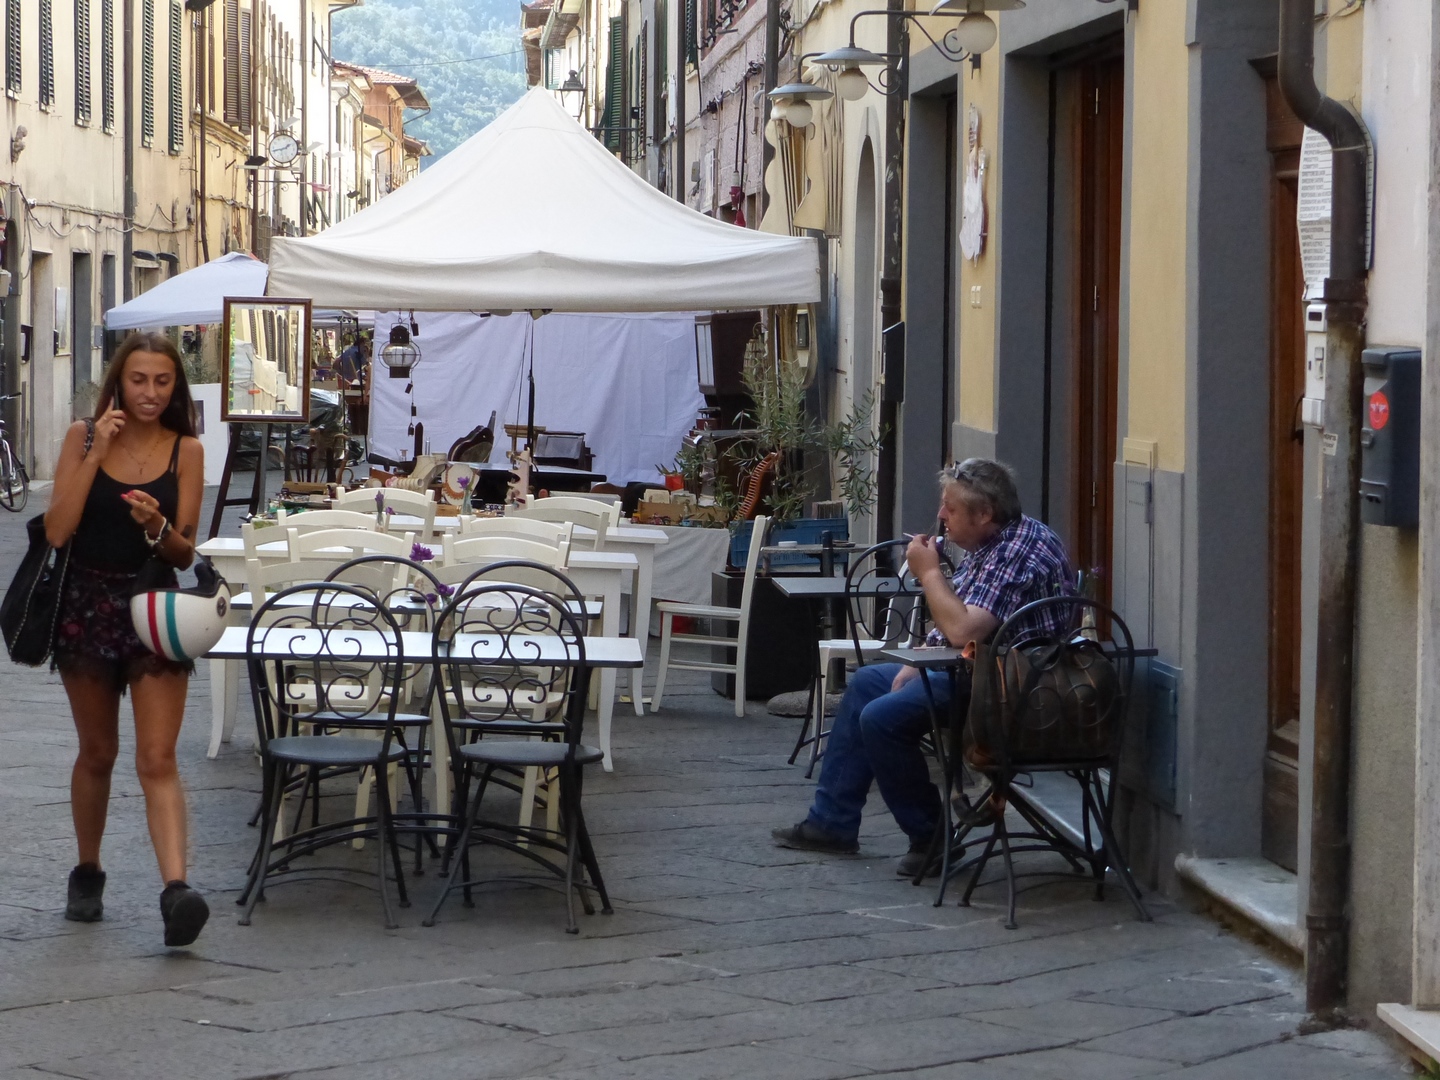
(47, 54)
(176, 81)
(662, 69)
(642, 88)
(12, 46)
(107, 64)
(82, 61)
(147, 73)
(247, 68)
(612, 121)
(232, 61)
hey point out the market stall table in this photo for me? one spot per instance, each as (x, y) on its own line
(595, 573)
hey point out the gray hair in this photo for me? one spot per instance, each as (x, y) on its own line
(988, 484)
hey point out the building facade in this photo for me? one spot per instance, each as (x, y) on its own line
(226, 123)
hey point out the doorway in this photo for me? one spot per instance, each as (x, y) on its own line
(1098, 131)
(1280, 817)
(82, 321)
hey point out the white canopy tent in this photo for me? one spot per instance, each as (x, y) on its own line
(196, 296)
(533, 212)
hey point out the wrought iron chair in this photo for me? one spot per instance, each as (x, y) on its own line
(510, 662)
(1048, 701)
(886, 608)
(316, 652)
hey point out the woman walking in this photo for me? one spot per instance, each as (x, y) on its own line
(134, 494)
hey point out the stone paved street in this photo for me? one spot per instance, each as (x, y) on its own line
(725, 957)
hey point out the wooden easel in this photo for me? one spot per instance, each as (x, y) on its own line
(256, 499)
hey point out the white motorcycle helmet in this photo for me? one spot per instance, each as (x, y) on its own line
(180, 624)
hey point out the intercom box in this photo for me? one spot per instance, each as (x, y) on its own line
(1390, 437)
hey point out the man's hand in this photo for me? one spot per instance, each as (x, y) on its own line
(903, 676)
(923, 556)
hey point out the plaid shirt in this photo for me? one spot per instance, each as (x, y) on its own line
(1021, 563)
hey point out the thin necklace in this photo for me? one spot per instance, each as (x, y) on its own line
(140, 463)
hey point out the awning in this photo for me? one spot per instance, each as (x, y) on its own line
(196, 296)
(533, 212)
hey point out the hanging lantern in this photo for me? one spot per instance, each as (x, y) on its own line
(401, 354)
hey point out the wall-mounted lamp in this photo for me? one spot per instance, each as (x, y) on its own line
(792, 102)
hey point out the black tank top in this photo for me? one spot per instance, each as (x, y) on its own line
(108, 537)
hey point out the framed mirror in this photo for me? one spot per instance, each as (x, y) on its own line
(265, 361)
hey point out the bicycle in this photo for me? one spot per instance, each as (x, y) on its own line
(14, 480)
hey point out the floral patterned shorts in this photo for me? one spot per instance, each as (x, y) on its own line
(96, 636)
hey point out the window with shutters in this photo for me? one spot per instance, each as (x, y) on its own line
(640, 110)
(107, 64)
(47, 55)
(12, 46)
(176, 83)
(232, 62)
(247, 67)
(611, 120)
(82, 61)
(147, 73)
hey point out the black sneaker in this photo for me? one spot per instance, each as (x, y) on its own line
(807, 837)
(87, 885)
(184, 911)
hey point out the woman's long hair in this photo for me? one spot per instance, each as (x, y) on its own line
(179, 415)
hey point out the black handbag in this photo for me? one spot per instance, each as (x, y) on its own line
(30, 613)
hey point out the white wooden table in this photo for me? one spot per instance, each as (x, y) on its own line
(595, 573)
(640, 541)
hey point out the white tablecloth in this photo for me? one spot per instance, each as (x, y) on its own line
(684, 565)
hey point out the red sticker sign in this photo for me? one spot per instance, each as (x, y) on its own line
(1379, 410)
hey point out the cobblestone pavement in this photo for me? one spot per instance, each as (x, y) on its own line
(725, 956)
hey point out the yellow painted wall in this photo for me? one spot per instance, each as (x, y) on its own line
(1159, 119)
(975, 384)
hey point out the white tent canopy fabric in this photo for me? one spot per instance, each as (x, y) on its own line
(533, 212)
(196, 296)
(637, 400)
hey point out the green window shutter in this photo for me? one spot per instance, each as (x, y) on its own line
(107, 64)
(47, 55)
(147, 73)
(232, 62)
(690, 16)
(82, 61)
(12, 46)
(176, 83)
(613, 117)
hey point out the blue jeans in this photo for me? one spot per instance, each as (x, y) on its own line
(876, 736)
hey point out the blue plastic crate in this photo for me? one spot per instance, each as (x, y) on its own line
(802, 531)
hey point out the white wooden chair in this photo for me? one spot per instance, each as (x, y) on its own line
(339, 545)
(254, 535)
(476, 550)
(310, 520)
(669, 609)
(419, 504)
(594, 516)
(547, 532)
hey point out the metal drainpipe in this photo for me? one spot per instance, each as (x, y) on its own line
(771, 73)
(897, 44)
(305, 46)
(127, 75)
(202, 51)
(1327, 923)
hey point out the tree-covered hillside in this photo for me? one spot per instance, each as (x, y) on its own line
(465, 54)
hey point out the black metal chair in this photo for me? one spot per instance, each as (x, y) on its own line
(885, 607)
(413, 595)
(512, 681)
(1047, 701)
(319, 654)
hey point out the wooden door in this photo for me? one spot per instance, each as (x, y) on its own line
(1280, 818)
(1099, 118)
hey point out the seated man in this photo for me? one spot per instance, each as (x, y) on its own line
(1012, 560)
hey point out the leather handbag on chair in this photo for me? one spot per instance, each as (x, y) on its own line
(1046, 702)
